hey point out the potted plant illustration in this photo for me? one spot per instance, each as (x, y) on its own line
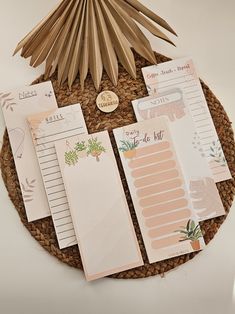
(191, 232)
(80, 148)
(95, 148)
(128, 149)
(71, 157)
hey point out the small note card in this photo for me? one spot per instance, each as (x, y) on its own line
(181, 74)
(98, 206)
(46, 129)
(200, 183)
(16, 106)
(167, 221)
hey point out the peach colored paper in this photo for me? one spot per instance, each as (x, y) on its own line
(16, 106)
(158, 189)
(199, 179)
(181, 74)
(47, 128)
(101, 217)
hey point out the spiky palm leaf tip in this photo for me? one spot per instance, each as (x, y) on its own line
(79, 36)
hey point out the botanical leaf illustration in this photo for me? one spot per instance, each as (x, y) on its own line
(127, 146)
(95, 148)
(204, 195)
(88, 35)
(71, 158)
(216, 153)
(6, 102)
(191, 232)
(28, 190)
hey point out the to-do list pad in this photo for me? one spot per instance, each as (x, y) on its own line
(16, 106)
(101, 217)
(158, 190)
(46, 129)
(181, 73)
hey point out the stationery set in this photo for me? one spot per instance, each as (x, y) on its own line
(172, 159)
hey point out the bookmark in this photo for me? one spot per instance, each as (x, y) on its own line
(181, 74)
(16, 106)
(101, 217)
(46, 129)
(199, 180)
(167, 221)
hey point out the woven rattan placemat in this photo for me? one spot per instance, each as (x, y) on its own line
(127, 90)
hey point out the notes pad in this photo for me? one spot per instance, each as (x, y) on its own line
(101, 217)
(158, 189)
(200, 183)
(181, 74)
(46, 129)
(16, 106)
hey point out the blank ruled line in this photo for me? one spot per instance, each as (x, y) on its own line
(49, 174)
(56, 192)
(173, 79)
(62, 138)
(201, 120)
(65, 238)
(191, 92)
(53, 180)
(193, 97)
(195, 103)
(67, 230)
(54, 206)
(202, 132)
(61, 211)
(44, 156)
(206, 144)
(43, 169)
(221, 172)
(203, 126)
(46, 162)
(55, 186)
(42, 150)
(199, 114)
(59, 133)
(56, 199)
(195, 109)
(191, 86)
(205, 138)
(175, 84)
(57, 219)
(65, 224)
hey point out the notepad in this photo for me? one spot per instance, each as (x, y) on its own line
(199, 179)
(181, 74)
(46, 128)
(16, 106)
(101, 217)
(157, 186)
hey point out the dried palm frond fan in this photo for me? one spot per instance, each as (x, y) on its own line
(88, 35)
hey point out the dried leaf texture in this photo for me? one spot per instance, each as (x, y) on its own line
(81, 36)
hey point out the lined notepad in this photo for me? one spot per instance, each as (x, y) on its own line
(46, 129)
(16, 106)
(200, 183)
(181, 74)
(157, 187)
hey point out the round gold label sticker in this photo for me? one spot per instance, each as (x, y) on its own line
(107, 101)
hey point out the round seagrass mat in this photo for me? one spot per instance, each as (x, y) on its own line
(127, 90)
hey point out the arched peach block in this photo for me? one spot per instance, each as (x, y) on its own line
(160, 198)
(165, 207)
(162, 231)
(172, 240)
(160, 167)
(152, 149)
(158, 188)
(157, 221)
(156, 178)
(151, 159)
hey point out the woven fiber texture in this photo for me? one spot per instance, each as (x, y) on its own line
(127, 89)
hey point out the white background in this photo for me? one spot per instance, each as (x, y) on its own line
(32, 281)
